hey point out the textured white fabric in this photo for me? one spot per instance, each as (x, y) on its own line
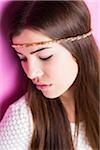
(16, 128)
(82, 144)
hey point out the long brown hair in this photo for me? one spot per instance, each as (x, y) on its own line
(62, 19)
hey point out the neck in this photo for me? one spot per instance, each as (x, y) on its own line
(69, 104)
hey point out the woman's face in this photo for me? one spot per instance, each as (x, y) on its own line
(51, 67)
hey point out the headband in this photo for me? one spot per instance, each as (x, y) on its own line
(75, 38)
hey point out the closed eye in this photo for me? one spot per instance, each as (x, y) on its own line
(46, 58)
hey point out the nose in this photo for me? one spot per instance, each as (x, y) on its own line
(33, 70)
(34, 74)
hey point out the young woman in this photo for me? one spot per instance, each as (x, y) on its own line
(60, 110)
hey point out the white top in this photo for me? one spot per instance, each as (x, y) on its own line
(16, 128)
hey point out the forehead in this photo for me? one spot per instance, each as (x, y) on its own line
(29, 36)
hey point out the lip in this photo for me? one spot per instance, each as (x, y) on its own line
(43, 86)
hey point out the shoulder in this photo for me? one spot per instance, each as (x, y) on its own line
(16, 126)
(18, 111)
(19, 106)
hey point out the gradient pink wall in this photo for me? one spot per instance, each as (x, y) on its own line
(12, 78)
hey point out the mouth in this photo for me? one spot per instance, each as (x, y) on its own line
(43, 86)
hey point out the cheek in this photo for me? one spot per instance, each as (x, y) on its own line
(71, 72)
(64, 72)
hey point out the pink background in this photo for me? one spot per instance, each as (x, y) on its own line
(13, 80)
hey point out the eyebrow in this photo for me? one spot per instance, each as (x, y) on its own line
(40, 49)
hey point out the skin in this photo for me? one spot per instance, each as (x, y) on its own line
(60, 69)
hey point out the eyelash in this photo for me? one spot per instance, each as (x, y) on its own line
(44, 59)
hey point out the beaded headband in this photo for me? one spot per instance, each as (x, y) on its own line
(75, 38)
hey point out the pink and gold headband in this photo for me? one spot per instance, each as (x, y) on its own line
(75, 38)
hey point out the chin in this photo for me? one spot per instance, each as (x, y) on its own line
(55, 92)
(51, 95)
